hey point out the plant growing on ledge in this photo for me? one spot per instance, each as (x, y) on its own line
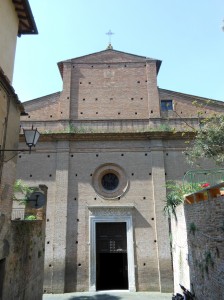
(175, 195)
(22, 193)
(30, 218)
(23, 190)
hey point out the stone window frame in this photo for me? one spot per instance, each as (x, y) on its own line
(114, 169)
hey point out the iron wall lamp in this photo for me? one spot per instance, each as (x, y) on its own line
(31, 138)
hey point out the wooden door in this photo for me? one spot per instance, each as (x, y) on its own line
(111, 256)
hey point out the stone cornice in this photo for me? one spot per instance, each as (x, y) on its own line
(111, 210)
(53, 137)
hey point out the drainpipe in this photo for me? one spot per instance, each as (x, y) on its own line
(5, 126)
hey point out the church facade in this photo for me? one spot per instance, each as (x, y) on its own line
(110, 141)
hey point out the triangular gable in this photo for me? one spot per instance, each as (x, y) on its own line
(109, 56)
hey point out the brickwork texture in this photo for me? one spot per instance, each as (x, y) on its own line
(104, 92)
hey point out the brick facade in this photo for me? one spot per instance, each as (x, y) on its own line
(206, 248)
(107, 114)
(198, 244)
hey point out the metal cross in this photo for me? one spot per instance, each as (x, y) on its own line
(109, 33)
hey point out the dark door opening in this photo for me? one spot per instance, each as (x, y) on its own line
(2, 272)
(111, 256)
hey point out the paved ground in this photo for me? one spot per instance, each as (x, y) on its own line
(113, 295)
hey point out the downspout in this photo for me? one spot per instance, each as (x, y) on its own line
(5, 126)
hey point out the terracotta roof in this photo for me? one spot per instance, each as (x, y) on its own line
(27, 23)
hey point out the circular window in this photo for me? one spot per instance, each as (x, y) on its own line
(110, 181)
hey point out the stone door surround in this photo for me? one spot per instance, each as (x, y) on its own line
(111, 214)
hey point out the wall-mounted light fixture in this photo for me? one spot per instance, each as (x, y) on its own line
(31, 138)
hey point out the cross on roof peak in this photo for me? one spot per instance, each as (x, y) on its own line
(109, 33)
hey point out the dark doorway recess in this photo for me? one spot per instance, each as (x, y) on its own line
(111, 256)
(2, 271)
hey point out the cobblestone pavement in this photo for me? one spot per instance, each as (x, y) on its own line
(107, 295)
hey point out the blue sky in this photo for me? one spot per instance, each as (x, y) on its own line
(185, 34)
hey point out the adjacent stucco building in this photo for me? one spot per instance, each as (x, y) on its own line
(107, 148)
(15, 19)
